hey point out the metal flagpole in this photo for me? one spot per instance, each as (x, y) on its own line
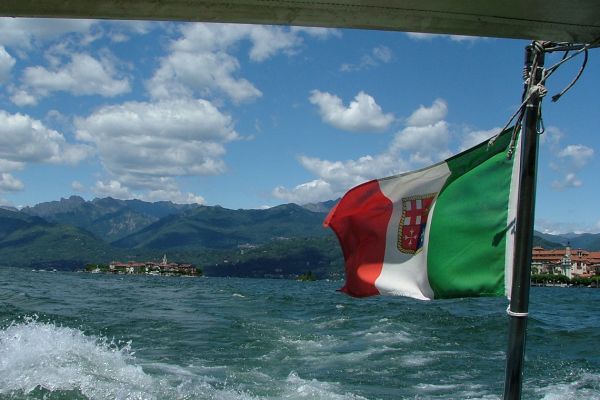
(519, 301)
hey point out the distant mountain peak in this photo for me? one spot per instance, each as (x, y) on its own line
(74, 198)
(322, 207)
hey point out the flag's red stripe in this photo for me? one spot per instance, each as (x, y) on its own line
(360, 221)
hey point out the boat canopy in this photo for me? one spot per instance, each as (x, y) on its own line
(552, 20)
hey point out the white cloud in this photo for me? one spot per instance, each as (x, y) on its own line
(362, 115)
(6, 165)
(345, 174)
(568, 161)
(27, 32)
(578, 154)
(77, 187)
(379, 55)
(313, 191)
(112, 189)
(424, 116)
(183, 74)
(473, 138)
(135, 27)
(557, 227)
(22, 98)
(116, 189)
(9, 183)
(83, 75)
(552, 136)
(426, 138)
(201, 63)
(319, 33)
(431, 36)
(120, 31)
(336, 177)
(6, 203)
(266, 40)
(382, 53)
(147, 144)
(570, 180)
(24, 139)
(118, 37)
(412, 147)
(269, 40)
(7, 62)
(174, 196)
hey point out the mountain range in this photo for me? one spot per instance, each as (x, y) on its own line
(282, 241)
(107, 218)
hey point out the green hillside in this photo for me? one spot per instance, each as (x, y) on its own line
(283, 241)
(289, 258)
(546, 243)
(107, 218)
(27, 241)
(220, 228)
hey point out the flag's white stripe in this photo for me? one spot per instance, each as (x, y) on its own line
(511, 219)
(406, 274)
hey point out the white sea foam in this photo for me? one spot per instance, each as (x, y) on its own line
(44, 356)
(332, 323)
(388, 337)
(323, 343)
(314, 389)
(587, 387)
(429, 387)
(416, 360)
(459, 391)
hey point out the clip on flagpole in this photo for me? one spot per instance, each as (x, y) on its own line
(519, 300)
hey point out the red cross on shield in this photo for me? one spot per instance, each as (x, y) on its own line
(411, 229)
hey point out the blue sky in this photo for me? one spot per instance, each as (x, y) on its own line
(249, 116)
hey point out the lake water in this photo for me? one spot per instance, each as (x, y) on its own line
(84, 336)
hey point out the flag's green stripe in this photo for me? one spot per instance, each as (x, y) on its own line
(468, 231)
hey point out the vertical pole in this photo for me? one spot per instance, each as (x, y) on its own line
(519, 301)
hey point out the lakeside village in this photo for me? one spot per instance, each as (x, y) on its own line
(556, 267)
(564, 267)
(163, 268)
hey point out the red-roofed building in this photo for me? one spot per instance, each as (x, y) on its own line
(152, 268)
(567, 261)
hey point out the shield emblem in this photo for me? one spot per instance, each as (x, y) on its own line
(411, 229)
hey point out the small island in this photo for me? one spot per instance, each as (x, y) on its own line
(163, 268)
(307, 277)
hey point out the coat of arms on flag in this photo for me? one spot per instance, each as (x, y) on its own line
(407, 234)
(412, 223)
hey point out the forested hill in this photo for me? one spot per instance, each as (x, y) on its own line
(32, 241)
(221, 228)
(282, 241)
(107, 218)
(72, 232)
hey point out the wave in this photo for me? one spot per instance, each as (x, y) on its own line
(586, 386)
(45, 360)
(44, 356)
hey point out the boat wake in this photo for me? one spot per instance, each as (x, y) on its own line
(38, 357)
(43, 360)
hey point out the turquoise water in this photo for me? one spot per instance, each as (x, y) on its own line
(83, 336)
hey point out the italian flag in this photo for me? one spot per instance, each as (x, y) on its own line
(440, 232)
